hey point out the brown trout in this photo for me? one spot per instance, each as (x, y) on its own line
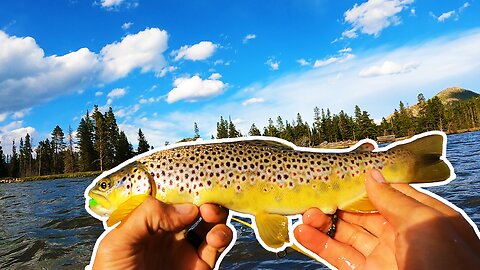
(268, 178)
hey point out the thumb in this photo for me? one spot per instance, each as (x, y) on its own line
(396, 207)
(154, 216)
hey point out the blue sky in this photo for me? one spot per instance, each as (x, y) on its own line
(163, 65)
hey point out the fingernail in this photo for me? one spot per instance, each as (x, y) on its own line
(377, 176)
(184, 209)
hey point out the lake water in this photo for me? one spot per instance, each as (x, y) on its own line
(43, 224)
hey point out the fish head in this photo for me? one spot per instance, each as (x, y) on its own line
(112, 190)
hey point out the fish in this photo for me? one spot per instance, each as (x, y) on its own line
(266, 178)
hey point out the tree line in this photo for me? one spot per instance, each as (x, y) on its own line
(427, 115)
(100, 145)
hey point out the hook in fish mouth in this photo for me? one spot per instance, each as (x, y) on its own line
(97, 203)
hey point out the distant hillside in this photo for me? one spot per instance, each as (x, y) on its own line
(447, 96)
(455, 94)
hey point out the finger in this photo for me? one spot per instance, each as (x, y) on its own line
(337, 254)
(398, 209)
(218, 238)
(153, 216)
(211, 215)
(425, 199)
(456, 219)
(317, 219)
(350, 234)
(374, 223)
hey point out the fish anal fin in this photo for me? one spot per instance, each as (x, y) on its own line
(272, 229)
(360, 205)
(125, 209)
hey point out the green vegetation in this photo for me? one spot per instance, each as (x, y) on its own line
(100, 145)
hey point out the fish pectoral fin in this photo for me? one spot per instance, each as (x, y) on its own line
(272, 229)
(361, 205)
(125, 209)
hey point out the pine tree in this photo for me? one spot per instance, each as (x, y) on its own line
(69, 154)
(317, 127)
(232, 130)
(143, 145)
(222, 128)
(3, 164)
(254, 131)
(86, 148)
(45, 154)
(58, 143)
(101, 144)
(270, 130)
(111, 140)
(196, 131)
(124, 148)
(14, 162)
(26, 154)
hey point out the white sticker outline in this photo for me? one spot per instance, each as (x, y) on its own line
(298, 217)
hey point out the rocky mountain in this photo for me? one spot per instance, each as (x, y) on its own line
(447, 96)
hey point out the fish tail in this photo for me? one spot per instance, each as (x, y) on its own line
(426, 162)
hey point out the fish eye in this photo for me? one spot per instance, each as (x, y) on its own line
(104, 184)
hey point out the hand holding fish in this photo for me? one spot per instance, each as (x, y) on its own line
(154, 236)
(411, 231)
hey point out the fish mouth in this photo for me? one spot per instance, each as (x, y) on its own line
(99, 204)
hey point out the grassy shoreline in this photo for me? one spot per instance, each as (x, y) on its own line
(50, 177)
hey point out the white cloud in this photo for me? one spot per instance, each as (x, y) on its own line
(142, 50)
(98, 93)
(446, 15)
(28, 77)
(413, 11)
(345, 50)
(251, 101)
(199, 51)
(20, 114)
(166, 70)
(388, 68)
(116, 4)
(117, 93)
(340, 59)
(447, 61)
(194, 88)
(273, 64)
(463, 7)
(328, 61)
(127, 25)
(249, 37)
(110, 3)
(373, 16)
(303, 62)
(351, 33)
(215, 76)
(14, 131)
(3, 116)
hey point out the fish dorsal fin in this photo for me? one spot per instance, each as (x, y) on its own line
(267, 143)
(125, 209)
(361, 205)
(365, 147)
(272, 229)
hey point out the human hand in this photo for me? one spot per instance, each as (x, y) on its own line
(411, 231)
(153, 238)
